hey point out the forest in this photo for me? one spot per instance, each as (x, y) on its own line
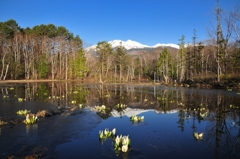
(50, 52)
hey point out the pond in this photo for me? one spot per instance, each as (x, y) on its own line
(174, 120)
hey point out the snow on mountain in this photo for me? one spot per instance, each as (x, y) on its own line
(165, 45)
(129, 44)
(130, 111)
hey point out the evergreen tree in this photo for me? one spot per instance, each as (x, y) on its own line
(164, 65)
(81, 68)
(120, 60)
(104, 49)
(43, 67)
(9, 28)
(182, 51)
(77, 66)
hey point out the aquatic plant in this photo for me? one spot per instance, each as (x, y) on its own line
(107, 95)
(75, 92)
(233, 107)
(100, 108)
(30, 119)
(122, 143)
(202, 115)
(198, 136)
(23, 112)
(134, 118)
(106, 133)
(20, 99)
(180, 104)
(121, 105)
(81, 105)
(3, 122)
(73, 102)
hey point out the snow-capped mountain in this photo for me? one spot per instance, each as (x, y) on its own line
(167, 45)
(129, 44)
(130, 111)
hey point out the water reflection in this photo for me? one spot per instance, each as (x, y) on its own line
(31, 127)
(217, 110)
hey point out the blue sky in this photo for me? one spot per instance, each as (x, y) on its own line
(146, 21)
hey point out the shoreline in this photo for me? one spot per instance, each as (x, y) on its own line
(214, 85)
(27, 81)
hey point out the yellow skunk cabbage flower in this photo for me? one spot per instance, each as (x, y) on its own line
(106, 131)
(135, 119)
(117, 140)
(195, 134)
(124, 148)
(128, 140)
(23, 112)
(122, 143)
(100, 134)
(114, 131)
(20, 99)
(198, 136)
(124, 140)
(73, 102)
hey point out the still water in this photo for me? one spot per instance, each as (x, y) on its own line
(171, 117)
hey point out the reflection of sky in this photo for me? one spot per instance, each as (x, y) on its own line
(166, 134)
(158, 136)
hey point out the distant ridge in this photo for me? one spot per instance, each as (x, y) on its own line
(129, 44)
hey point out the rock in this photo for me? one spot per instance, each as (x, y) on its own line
(44, 113)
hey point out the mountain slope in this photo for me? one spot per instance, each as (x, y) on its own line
(129, 44)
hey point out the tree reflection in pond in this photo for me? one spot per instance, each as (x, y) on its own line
(172, 116)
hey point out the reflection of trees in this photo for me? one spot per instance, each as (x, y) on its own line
(181, 115)
(167, 100)
(59, 94)
(222, 132)
(224, 120)
(42, 93)
(191, 105)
